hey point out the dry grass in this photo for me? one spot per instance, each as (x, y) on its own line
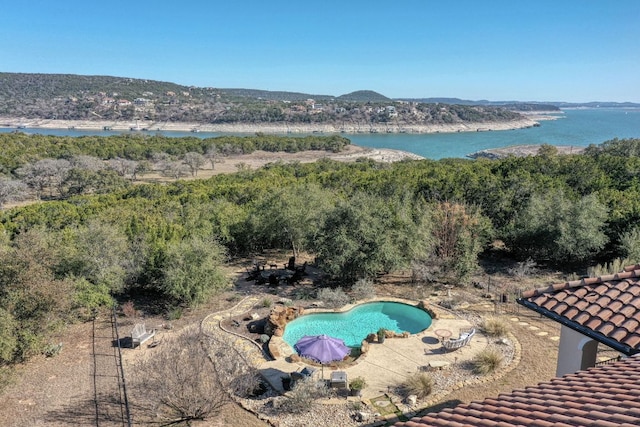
(495, 326)
(58, 391)
(421, 385)
(486, 361)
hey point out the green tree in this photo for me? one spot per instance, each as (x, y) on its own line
(630, 244)
(553, 227)
(100, 253)
(289, 217)
(193, 270)
(8, 336)
(368, 235)
(36, 301)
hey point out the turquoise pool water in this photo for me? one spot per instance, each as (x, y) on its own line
(354, 325)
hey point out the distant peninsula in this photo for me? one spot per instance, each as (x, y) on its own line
(116, 103)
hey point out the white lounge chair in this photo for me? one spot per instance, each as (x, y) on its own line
(461, 341)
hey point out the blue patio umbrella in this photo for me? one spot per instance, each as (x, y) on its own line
(322, 349)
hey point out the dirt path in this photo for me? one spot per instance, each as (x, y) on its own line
(79, 386)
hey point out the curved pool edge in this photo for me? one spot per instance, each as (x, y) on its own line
(279, 348)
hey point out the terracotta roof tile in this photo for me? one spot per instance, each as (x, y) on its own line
(618, 319)
(608, 306)
(606, 328)
(603, 396)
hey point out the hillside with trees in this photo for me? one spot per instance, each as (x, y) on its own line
(74, 97)
(84, 247)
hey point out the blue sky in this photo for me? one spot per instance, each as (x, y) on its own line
(544, 50)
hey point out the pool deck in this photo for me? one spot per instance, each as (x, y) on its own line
(390, 363)
(384, 365)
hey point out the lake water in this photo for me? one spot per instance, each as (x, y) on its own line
(575, 127)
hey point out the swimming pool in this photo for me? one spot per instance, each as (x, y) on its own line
(354, 325)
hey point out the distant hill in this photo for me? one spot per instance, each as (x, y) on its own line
(117, 99)
(529, 105)
(511, 105)
(43, 86)
(274, 95)
(597, 104)
(364, 96)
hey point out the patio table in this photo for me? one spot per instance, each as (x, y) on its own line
(443, 334)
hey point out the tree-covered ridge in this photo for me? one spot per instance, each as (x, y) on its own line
(358, 219)
(19, 149)
(73, 97)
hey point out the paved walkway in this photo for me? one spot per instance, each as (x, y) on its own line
(211, 327)
(383, 366)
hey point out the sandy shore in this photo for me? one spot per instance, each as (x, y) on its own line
(522, 151)
(271, 128)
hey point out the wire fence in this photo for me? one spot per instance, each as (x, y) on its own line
(122, 383)
(111, 402)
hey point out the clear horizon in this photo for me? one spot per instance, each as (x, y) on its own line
(498, 50)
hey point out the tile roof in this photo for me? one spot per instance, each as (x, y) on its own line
(605, 308)
(603, 396)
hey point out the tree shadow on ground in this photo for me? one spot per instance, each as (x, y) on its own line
(105, 409)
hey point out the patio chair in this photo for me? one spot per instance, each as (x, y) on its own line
(461, 341)
(307, 372)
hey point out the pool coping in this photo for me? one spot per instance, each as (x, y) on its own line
(280, 349)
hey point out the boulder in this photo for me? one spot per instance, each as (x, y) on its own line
(412, 399)
(280, 316)
(363, 416)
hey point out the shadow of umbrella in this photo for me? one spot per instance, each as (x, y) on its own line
(322, 348)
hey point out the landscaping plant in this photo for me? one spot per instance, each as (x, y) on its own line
(421, 385)
(486, 361)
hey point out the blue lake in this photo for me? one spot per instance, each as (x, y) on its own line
(578, 128)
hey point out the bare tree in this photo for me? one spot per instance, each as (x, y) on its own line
(90, 163)
(192, 377)
(160, 157)
(212, 155)
(143, 167)
(123, 167)
(11, 190)
(195, 161)
(45, 173)
(174, 170)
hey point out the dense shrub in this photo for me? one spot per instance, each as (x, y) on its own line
(363, 289)
(304, 395)
(333, 298)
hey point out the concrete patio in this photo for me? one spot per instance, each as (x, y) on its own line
(390, 363)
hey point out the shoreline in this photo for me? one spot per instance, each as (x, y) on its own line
(21, 123)
(521, 151)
